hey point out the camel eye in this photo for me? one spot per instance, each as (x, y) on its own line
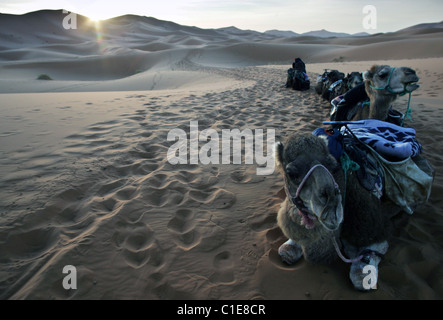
(291, 171)
(383, 74)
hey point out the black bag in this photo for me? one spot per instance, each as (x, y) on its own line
(301, 81)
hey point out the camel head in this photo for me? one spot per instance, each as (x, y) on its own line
(354, 79)
(386, 80)
(307, 166)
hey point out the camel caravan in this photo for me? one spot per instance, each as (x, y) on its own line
(334, 83)
(346, 183)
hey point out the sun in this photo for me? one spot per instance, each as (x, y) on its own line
(97, 16)
(94, 18)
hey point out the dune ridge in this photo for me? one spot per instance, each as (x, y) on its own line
(134, 46)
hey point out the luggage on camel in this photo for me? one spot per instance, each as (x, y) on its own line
(326, 80)
(345, 107)
(387, 160)
(297, 78)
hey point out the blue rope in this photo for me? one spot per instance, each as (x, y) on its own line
(347, 164)
(408, 113)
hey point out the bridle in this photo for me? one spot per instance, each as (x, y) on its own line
(388, 88)
(303, 211)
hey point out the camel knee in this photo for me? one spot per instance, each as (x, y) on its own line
(290, 252)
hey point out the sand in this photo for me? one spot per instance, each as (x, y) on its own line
(85, 180)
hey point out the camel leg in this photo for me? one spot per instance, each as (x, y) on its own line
(364, 273)
(290, 252)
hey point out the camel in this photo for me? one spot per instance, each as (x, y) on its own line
(353, 79)
(342, 86)
(382, 85)
(326, 80)
(334, 83)
(323, 215)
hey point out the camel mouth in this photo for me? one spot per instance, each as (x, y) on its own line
(411, 86)
(308, 221)
(330, 220)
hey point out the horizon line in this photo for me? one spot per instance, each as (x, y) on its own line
(231, 26)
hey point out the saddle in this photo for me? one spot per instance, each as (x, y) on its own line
(350, 154)
(405, 179)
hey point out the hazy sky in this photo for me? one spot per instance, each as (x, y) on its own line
(295, 15)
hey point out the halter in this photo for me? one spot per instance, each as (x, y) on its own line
(297, 201)
(405, 91)
(388, 88)
(304, 212)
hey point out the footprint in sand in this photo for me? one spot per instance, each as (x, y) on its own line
(198, 180)
(260, 222)
(157, 181)
(137, 244)
(150, 151)
(196, 234)
(213, 199)
(182, 226)
(224, 268)
(247, 175)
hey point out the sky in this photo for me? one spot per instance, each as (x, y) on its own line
(294, 15)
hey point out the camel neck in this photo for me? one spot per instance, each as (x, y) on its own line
(380, 106)
(379, 103)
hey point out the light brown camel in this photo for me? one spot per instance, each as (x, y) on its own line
(383, 85)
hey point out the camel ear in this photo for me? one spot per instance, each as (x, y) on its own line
(279, 148)
(367, 75)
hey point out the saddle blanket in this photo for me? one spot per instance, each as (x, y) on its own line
(388, 139)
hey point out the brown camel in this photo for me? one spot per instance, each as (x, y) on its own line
(321, 211)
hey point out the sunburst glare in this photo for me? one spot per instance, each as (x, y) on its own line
(99, 33)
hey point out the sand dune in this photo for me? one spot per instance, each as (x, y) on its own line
(126, 46)
(85, 180)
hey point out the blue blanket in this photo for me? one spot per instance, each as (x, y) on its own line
(387, 139)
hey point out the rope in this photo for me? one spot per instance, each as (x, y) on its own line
(347, 164)
(337, 249)
(363, 255)
(297, 194)
(387, 87)
(408, 113)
